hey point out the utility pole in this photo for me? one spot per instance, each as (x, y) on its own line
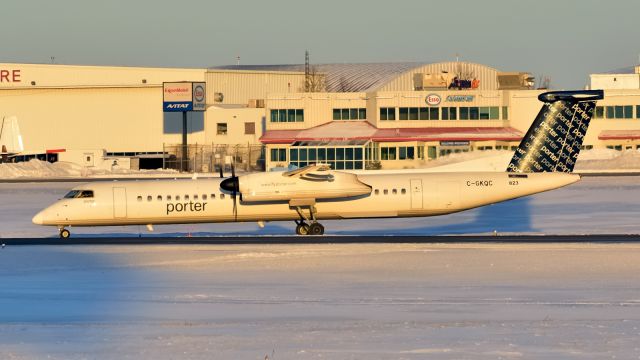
(307, 72)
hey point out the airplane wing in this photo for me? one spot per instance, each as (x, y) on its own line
(307, 169)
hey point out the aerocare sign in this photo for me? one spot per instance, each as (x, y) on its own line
(184, 96)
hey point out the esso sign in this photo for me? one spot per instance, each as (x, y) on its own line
(433, 99)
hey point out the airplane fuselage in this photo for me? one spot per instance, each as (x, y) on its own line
(202, 201)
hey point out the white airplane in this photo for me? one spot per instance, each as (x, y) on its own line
(543, 161)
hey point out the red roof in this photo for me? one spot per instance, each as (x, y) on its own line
(619, 135)
(363, 130)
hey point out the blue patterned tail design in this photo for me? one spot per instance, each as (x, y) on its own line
(553, 141)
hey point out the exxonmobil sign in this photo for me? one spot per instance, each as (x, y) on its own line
(184, 96)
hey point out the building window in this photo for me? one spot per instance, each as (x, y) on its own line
(619, 112)
(413, 113)
(406, 152)
(505, 113)
(637, 111)
(449, 113)
(404, 113)
(474, 113)
(387, 113)
(287, 115)
(278, 154)
(249, 128)
(350, 114)
(488, 113)
(464, 113)
(221, 128)
(339, 158)
(387, 153)
(599, 112)
(422, 113)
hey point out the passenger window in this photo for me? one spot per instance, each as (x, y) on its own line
(386, 191)
(403, 191)
(195, 197)
(177, 197)
(139, 198)
(186, 197)
(213, 196)
(159, 197)
(394, 191)
(221, 196)
(168, 197)
(377, 192)
(149, 198)
(204, 196)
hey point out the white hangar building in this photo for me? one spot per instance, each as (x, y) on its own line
(354, 116)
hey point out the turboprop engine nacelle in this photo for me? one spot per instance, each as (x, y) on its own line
(277, 186)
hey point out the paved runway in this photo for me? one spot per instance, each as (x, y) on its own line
(329, 301)
(258, 240)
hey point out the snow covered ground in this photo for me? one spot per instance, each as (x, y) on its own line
(468, 301)
(600, 160)
(595, 205)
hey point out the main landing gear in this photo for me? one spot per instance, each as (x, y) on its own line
(64, 233)
(308, 225)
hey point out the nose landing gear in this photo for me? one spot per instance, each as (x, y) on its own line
(64, 233)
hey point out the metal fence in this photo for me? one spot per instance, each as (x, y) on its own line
(210, 158)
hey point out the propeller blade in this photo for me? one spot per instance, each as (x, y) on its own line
(221, 173)
(233, 170)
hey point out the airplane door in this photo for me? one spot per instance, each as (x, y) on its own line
(119, 202)
(416, 194)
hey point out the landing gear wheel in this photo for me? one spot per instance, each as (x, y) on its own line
(64, 234)
(302, 229)
(316, 229)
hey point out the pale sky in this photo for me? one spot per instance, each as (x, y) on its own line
(565, 40)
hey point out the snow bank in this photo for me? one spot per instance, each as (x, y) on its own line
(490, 160)
(497, 160)
(609, 160)
(43, 169)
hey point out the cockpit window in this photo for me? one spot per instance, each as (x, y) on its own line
(71, 194)
(86, 194)
(79, 194)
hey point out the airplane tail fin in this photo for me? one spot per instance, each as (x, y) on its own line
(10, 137)
(553, 141)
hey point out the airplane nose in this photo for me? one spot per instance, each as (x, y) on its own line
(38, 219)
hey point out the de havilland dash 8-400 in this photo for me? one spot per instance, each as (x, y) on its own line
(543, 161)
